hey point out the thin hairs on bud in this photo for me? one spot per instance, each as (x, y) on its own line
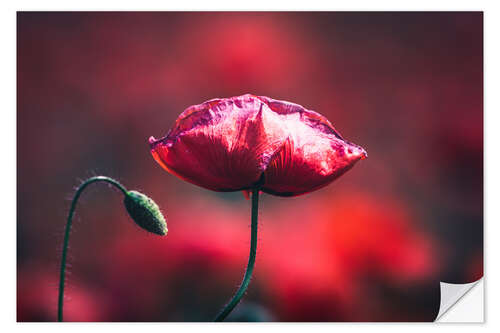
(145, 213)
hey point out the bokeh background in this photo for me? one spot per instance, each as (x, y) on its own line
(372, 246)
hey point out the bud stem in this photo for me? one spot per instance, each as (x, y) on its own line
(251, 259)
(68, 230)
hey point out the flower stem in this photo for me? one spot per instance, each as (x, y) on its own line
(68, 230)
(251, 259)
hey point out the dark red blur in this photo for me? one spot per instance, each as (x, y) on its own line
(372, 246)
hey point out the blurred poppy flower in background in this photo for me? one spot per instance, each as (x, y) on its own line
(178, 282)
(231, 144)
(337, 266)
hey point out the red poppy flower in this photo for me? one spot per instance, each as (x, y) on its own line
(231, 144)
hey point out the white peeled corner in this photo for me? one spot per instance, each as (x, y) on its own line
(460, 305)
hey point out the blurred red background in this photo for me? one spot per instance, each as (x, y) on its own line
(372, 246)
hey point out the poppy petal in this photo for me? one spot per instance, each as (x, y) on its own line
(222, 144)
(313, 155)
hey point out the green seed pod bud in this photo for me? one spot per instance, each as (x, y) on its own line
(145, 213)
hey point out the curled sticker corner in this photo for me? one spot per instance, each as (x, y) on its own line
(451, 293)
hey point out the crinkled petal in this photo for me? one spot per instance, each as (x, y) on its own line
(222, 144)
(313, 155)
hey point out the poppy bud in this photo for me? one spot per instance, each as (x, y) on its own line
(145, 213)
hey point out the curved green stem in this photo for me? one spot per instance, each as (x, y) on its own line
(251, 259)
(68, 230)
